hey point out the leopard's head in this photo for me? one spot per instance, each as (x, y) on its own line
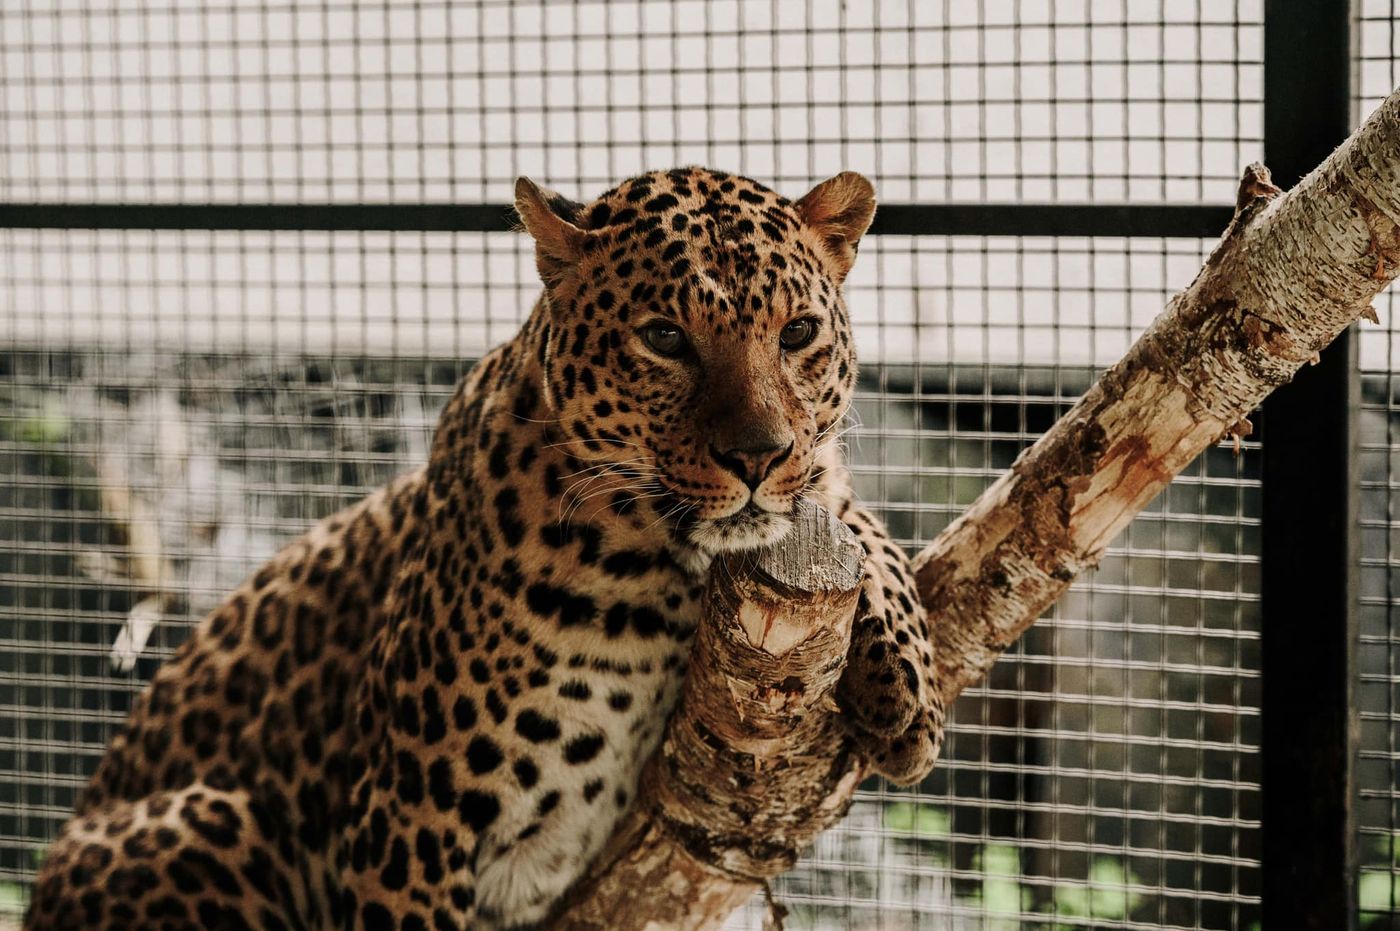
(698, 342)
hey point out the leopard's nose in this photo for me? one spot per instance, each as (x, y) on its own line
(752, 463)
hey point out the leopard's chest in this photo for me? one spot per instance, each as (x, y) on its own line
(609, 711)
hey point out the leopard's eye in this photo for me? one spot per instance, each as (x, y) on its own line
(664, 339)
(798, 334)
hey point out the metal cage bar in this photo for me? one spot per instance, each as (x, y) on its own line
(1309, 567)
(1187, 221)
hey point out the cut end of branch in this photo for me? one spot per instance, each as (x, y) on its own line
(819, 555)
(1238, 432)
(1256, 185)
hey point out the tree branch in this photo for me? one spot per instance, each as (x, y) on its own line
(1290, 274)
(753, 765)
(751, 768)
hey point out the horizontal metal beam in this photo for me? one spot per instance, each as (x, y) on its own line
(485, 218)
(1190, 221)
(1164, 220)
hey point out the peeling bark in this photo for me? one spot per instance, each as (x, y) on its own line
(752, 767)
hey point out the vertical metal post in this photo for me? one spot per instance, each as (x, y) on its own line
(1309, 524)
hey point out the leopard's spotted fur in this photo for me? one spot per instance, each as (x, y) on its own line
(429, 711)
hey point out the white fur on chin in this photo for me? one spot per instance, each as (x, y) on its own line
(745, 530)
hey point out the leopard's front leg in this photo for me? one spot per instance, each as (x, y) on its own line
(888, 692)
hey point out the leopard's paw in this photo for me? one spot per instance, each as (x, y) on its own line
(909, 757)
(881, 690)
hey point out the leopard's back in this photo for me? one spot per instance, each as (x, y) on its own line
(249, 729)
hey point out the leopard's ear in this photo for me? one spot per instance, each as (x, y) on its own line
(551, 219)
(839, 210)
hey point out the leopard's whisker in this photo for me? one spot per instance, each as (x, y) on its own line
(605, 465)
(611, 441)
(582, 485)
(611, 488)
(523, 419)
(605, 505)
(586, 491)
(681, 506)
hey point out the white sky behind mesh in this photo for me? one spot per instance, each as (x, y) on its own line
(913, 299)
(1046, 100)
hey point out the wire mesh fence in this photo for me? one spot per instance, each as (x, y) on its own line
(175, 405)
(1378, 809)
(340, 100)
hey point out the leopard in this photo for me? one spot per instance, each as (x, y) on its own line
(431, 710)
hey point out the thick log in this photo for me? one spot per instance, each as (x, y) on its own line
(753, 765)
(1290, 273)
